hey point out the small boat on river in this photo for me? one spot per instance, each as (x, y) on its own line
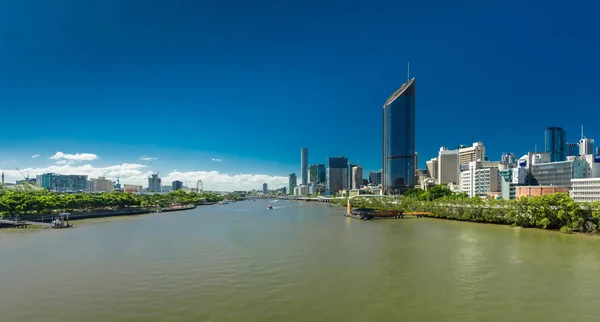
(270, 207)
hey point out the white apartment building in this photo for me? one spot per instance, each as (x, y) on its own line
(585, 190)
(447, 166)
(480, 179)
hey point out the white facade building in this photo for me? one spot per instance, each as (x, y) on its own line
(480, 179)
(533, 158)
(586, 146)
(593, 161)
(432, 168)
(357, 177)
(447, 166)
(585, 190)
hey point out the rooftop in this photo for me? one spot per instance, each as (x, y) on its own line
(399, 92)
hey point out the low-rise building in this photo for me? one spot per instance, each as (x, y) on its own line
(526, 191)
(132, 188)
(585, 190)
(511, 178)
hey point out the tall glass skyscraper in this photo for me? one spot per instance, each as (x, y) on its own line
(555, 142)
(304, 165)
(399, 140)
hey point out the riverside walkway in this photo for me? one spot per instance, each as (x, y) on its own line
(24, 223)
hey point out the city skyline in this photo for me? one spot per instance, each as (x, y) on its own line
(161, 101)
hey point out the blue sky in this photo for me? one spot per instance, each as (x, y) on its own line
(250, 83)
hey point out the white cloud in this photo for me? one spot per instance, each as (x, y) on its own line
(65, 162)
(214, 180)
(75, 157)
(217, 159)
(138, 174)
(147, 158)
(35, 156)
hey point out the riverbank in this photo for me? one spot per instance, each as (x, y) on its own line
(552, 212)
(45, 219)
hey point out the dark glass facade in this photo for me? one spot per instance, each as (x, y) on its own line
(555, 142)
(317, 173)
(399, 140)
(337, 174)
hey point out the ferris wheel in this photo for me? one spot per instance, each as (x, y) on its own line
(199, 184)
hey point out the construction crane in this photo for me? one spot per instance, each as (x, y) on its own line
(24, 177)
(118, 184)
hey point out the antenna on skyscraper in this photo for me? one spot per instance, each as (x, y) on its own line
(408, 72)
(582, 137)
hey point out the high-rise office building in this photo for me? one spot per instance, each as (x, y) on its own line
(399, 139)
(468, 154)
(304, 165)
(292, 183)
(586, 146)
(337, 174)
(373, 177)
(154, 183)
(448, 166)
(265, 188)
(555, 142)
(416, 160)
(432, 168)
(176, 185)
(317, 173)
(357, 177)
(598, 151)
(349, 175)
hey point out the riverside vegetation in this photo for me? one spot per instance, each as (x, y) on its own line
(554, 211)
(31, 200)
